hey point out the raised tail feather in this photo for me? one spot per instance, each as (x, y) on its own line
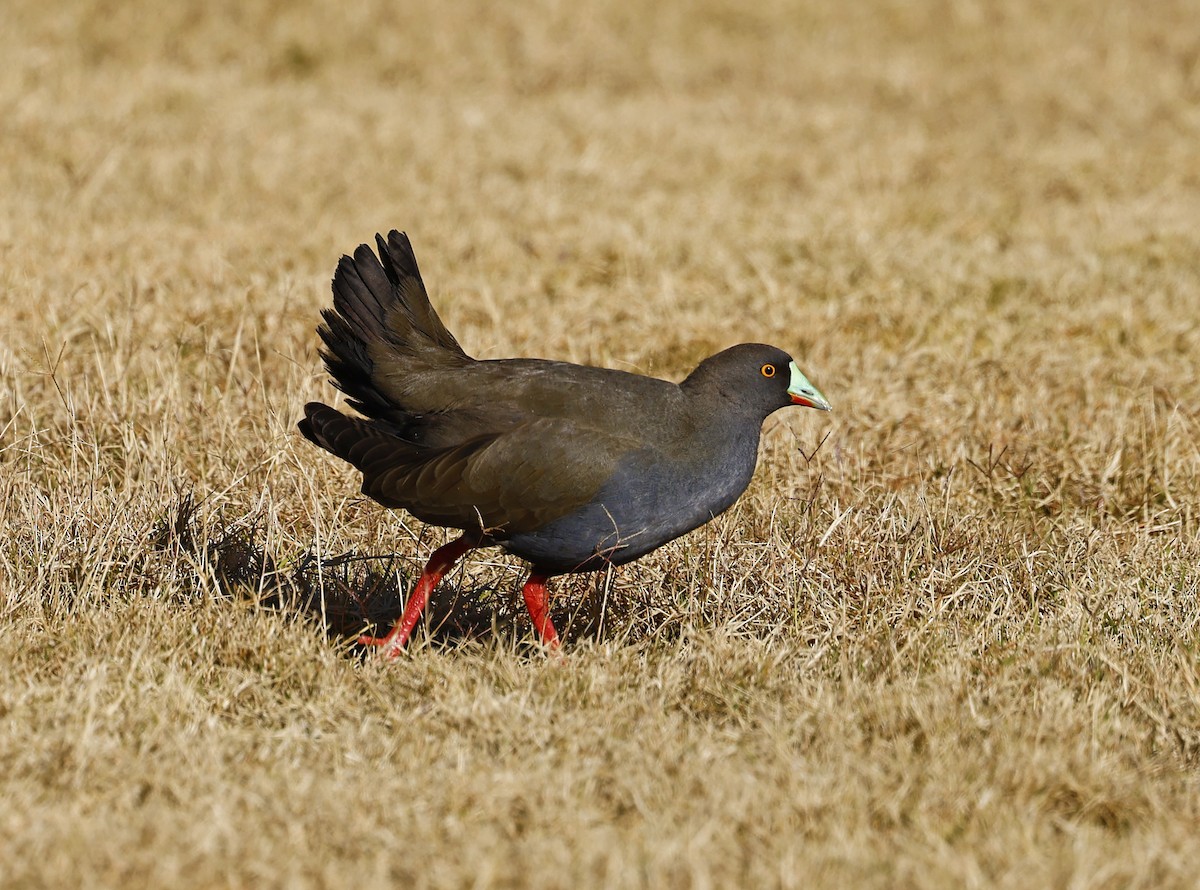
(381, 313)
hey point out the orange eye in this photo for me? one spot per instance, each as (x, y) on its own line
(768, 370)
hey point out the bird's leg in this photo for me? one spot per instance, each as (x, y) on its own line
(439, 563)
(535, 600)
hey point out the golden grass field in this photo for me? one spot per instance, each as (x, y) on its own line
(958, 646)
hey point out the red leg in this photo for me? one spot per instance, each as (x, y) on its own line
(441, 562)
(535, 600)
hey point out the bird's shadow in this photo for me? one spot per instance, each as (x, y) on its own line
(350, 594)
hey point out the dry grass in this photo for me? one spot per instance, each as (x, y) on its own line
(959, 646)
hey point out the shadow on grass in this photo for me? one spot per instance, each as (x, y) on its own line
(349, 594)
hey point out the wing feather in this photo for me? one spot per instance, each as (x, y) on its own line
(503, 483)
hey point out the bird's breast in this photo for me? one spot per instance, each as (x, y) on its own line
(653, 497)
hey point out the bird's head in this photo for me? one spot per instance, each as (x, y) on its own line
(758, 377)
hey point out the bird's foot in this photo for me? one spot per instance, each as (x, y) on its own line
(390, 646)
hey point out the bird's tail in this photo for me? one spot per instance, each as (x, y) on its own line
(382, 312)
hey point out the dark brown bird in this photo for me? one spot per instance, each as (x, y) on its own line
(569, 467)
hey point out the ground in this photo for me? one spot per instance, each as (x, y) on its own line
(948, 638)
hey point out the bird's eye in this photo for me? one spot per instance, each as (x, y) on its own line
(768, 370)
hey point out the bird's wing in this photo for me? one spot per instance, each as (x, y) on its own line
(501, 482)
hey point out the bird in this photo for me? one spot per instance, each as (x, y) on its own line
(571, 468)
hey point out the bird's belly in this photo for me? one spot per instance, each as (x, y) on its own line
(637, 511)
